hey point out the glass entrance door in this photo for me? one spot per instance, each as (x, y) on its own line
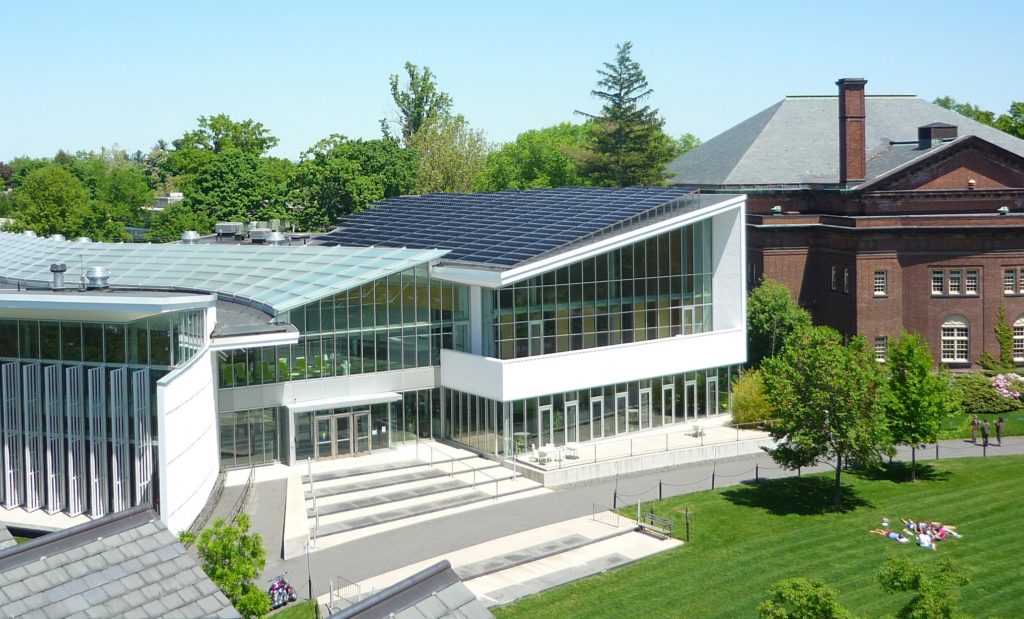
(323, 438)
(621, 413)
(342, 435)
(668, 402)
(646, 415)
(572, 422)
(690, 401)
(711, 397)
(545, 426)
(362, 433)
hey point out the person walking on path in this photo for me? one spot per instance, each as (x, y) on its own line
(999, 431)
(984, 433)
(974, 429)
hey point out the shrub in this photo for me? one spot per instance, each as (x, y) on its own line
(980, 397)
(749, 404)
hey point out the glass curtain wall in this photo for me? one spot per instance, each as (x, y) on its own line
(401, 321)
(585, 415)
(78, 419)
(655, 288)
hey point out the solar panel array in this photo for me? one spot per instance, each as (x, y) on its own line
(503, 228)
(275, 278)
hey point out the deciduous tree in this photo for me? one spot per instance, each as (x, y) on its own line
(772, 317)
(538, 158)
(50, 200)
(800, 598)
(419, 104)
(629, 147)
(826, 398)
(452, 155)
(749, 402)
(234, 558)
(917, 399)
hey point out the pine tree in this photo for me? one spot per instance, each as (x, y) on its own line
(629, 146)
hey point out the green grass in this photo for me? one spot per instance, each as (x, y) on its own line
(745, 538)
(302, 609)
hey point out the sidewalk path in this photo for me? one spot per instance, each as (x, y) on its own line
(375, 555)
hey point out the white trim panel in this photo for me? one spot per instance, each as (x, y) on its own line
(342, 401)
(513, 379)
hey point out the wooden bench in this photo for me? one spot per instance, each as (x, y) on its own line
(655, 525)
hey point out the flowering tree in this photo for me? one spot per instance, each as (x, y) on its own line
(1008, 385)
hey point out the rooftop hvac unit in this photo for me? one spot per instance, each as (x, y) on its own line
(190, 237)
(259, 235)
(224, 228)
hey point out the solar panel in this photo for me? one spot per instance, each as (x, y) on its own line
(506, 227)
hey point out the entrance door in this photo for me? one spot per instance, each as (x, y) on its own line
(342, 435)
(646, 416)
(668, 403)
(621, 413)
(361, 428)
(323, 438)
(572, 422)
(690, 401)
(711, 397)
(545, 425)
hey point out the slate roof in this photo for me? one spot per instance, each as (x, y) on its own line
(433, 593)
(6, 539)
(796, 142)
(122, 565)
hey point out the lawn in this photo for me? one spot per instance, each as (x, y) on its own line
(302, 609)
(745, 538)
(960, 426)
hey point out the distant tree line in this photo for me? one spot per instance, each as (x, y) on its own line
(225, 173)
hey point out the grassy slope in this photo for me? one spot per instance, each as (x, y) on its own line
(960, 426)
(746, 538)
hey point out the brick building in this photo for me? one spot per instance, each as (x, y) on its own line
(880, 212)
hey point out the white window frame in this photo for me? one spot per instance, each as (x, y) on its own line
(846, 280)
(881, 283)
(954, 281)
(938, 282)
(955, 337)
(971, 282)
(1018, 340)
(881, 348)
(835, 279)
(1009, 281)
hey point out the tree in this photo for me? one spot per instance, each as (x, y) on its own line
(217, 134)
(50, 200)
(169, 223)
(685, 144)
(233, 558)
(826, 398)
(452, 155)
(420, 104)
(799, 598)
(749, 402)
(772, 317)
(630, 147)
(5, 176)
(538, 158)
(917, 399)
(339, 176)
(1012, 122)
(232, 186)
(935, 590)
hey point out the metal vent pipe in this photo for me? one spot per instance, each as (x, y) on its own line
(58, 269)
(99, 277)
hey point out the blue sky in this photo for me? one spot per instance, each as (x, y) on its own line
(82, 75)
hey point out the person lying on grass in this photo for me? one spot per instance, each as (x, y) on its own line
(935, 529)
(893, 535)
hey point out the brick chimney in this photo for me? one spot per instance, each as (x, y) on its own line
(852, 140)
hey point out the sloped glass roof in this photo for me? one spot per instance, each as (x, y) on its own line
(279, 278)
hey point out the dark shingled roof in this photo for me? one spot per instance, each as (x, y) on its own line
(796, 142)
(432, 593)
(122, 565)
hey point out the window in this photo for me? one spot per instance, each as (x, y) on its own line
(1020, 287)
(971, 282)
(881, 283)
(1018, 340)
(954, 282)
(955, 339)
(846, 280)
(835, 279)
(937, 282)
(881, 348)
(1009, 281)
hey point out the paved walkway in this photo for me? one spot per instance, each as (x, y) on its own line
(378, 554)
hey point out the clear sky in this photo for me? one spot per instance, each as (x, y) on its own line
(82, 75)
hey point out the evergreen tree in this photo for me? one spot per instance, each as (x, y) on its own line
(629, 147)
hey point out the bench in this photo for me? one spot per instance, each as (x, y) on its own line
(655, 525)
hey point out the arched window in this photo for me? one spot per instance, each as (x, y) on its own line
(955, 339)
(1018, 340)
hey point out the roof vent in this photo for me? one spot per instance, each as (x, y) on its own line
(228, 228)
(1003, 210)
(190, 237)
(776, 210)
(28, 233)
(57, 237)
(275, 238)
(83, 239)
(99, 277)
(258, 235)
(58, 269)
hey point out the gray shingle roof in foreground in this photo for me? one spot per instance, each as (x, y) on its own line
(796, 142)
(123, 565)
(432, 593)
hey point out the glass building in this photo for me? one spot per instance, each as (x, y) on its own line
(496, 321)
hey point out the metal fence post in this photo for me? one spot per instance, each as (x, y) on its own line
(936, 450)
(687, 524)
(659, 489)
(712, 480)
(615, 499)
(757, 472)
